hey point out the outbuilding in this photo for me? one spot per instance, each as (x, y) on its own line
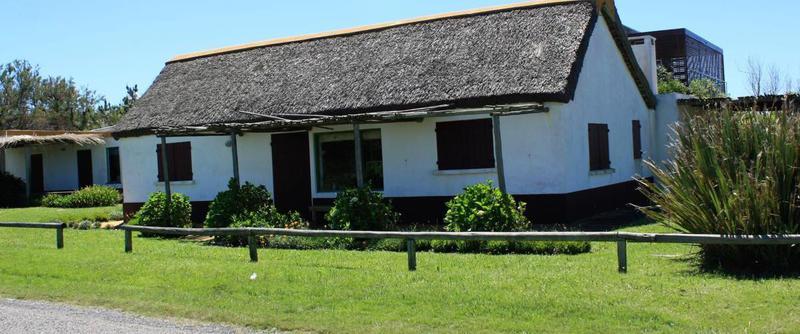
(545, 99)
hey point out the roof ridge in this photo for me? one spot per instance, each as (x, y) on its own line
(366, 28)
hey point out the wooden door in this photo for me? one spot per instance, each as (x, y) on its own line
(85, 178)
(291, 172)
(37, 174)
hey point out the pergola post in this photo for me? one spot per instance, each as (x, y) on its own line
(498, 154)
(359, 167)
(235, 156)
(28, 172)
(165, 173)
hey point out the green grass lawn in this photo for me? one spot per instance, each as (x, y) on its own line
(372, 292)
(46, 215)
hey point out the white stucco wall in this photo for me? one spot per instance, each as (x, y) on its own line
(212, 165)
(606, 93)
(668, 115)
(60, 164)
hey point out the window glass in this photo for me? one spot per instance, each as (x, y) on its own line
(336, 169)
(114, 175)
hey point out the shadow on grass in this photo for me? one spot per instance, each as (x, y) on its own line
(697, 266)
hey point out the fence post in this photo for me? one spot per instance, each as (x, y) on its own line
(411, 246)
(128, 241)
(253, 245)
(622, 255)
(60, 237)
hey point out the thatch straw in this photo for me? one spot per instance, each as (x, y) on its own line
(529, 54)
(67, 138)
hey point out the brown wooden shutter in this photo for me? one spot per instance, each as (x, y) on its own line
(179, 161)
(465, 144)
(637, 139)
(604, 149)
(598, 147)
(159, 165)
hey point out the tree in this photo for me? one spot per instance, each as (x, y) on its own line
(30, 101)
(668, 84)
(705, 89)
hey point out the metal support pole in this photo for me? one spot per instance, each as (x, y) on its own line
(235, 156)
(411, 246)
(359, 166)
(165, 174)
(128, 241)
(622, 255)
(60, 237)
(498, 154)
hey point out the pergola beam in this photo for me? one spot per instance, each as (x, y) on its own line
(165, 174)
(498, 154)
(358, 151)
(307, 121)
(235, 157)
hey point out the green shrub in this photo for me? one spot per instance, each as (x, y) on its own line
(734, 173)
(154, 212)
(88, 197)
(13, 191)
(482, 207)
(55, 201)
(238, 201)
(267, 217)
(361, 209)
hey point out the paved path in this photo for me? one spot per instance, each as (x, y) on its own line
(19, 316)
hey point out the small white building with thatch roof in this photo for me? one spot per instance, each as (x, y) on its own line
(544, 98)
(61, 161)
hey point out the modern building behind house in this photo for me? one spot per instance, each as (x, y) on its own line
(61, 161)
(545, 98)
(684, 53)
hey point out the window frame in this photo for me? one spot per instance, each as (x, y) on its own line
(319, 166)
(109, 166)
(468, 137)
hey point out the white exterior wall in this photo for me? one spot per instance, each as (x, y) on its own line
(668, 115)
(543, 153)
(212, 165)
(60, 164)
(606, 93)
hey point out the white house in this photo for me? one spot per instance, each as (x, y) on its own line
(543, 98)
(61, 161)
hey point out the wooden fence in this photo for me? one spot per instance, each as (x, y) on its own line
(59, 227)
(621, 238)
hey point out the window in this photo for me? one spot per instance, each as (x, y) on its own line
(637, 139)
(336, 167)
(114, 176)
(598, 147)
(465, 144)
(179, 161)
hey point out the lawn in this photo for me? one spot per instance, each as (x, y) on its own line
(46, 215)
(372, 292)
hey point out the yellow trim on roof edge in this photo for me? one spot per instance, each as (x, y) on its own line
(379, 26)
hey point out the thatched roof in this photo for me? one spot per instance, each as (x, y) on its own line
(530, 53)
(80, 139)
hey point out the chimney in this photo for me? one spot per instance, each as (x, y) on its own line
(644, 48)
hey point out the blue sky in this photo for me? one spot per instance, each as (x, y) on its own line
(105, 45)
